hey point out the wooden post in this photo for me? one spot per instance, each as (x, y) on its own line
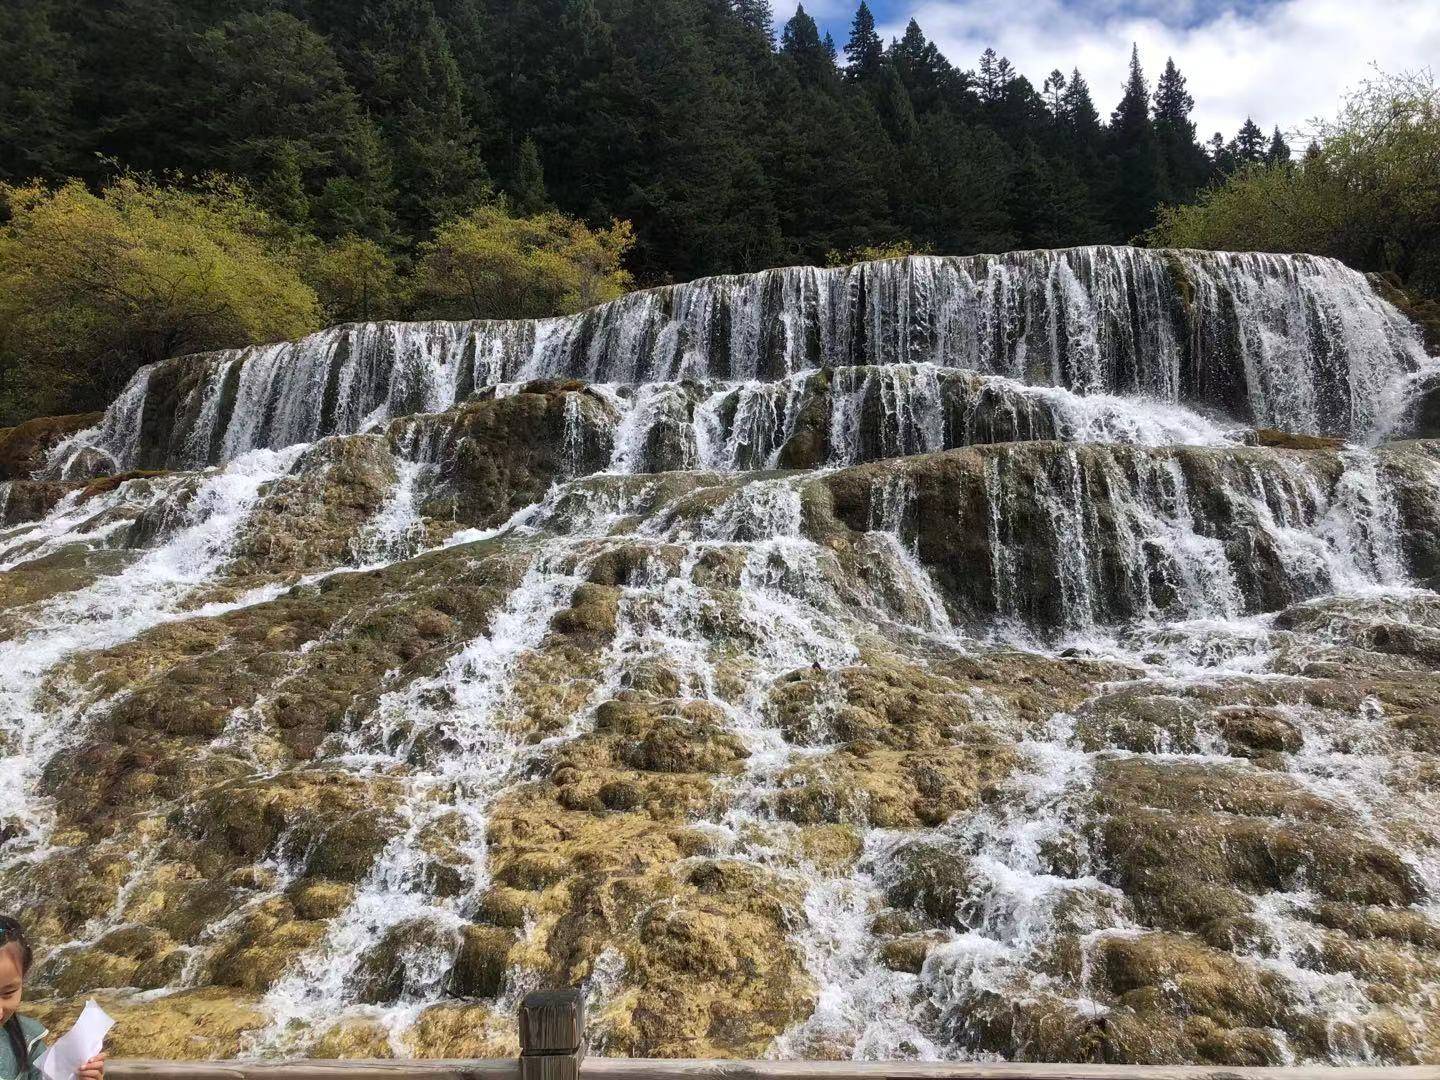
(552, 1035)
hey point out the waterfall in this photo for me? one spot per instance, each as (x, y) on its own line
(932, 659)
(1292, 342)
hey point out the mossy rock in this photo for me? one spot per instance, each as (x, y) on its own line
(192, 1025)
(932, 878)
(1275, 439)
(907, 953)
(1167, 971)
(389, 965)
(24, 447)
(481, 963)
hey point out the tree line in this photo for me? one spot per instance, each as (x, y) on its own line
(729, 146)
(1366, 191)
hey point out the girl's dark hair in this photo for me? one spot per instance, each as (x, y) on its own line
(12, 934)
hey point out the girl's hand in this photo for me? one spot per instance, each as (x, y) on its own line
(94, 1069)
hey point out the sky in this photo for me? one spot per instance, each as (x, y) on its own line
(1283, 62)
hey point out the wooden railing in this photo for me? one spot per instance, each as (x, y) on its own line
(552, 1047)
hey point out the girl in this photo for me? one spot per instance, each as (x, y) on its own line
(23, 1042)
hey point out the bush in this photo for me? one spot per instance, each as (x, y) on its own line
(489, 264)
(92, 286)
(895, 249)
(1368, 191)
(358, 281)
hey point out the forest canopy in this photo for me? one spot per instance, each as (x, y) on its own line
(729, 143)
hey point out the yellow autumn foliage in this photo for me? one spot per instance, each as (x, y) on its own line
(488, 264)
(92, 285)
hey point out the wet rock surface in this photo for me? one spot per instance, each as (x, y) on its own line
(24, 448)
(928, 702)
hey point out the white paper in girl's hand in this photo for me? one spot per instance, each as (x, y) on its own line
(78, 1045)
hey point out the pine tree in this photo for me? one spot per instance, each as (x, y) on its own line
(359, 202)
(758, 16)
(1186, 167)
(1054, 91)
(1279, 152)
(972, 179)
(527, 186)
(1139, 171)
(864, 52)
(912, 43)
(928, 77)
(830, 176)
(1222, 159)
(400, 60)
(1078, 109)
(1173, 103)
(1046, 203)
(1250, 143)
(269, 102)
(133, 58)
(377, 117)
(800, 41)
(990, 85)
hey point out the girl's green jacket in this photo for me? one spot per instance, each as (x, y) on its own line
(34, 1033)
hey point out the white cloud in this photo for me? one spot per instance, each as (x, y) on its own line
(1283, 63)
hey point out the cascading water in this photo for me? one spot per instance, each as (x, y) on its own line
(931, 658)
(1293, 342)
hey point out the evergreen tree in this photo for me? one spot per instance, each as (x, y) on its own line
(1079, 141)
(270, 101)
(864, 51)
(133, 57)
(971, 177)
(913, 42)
(1185, 164)
(359, 202)
(1046, 202)
(895, 108)
(928, 77)
(1250, 144)
(757, 16)
(470, 33)
(830, 178)
(1030, 201)
(1139, 172)
(1173, 103)
(1054, 91)
(527, 187)
(399, 57)
(991, 83)
(1279, 152)
(664, 139)
(800, 42)
(1078, 111)
(1020, 115)
(377, 118)
(1221, 155)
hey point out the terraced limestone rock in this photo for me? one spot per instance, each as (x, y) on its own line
(1032, 656)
